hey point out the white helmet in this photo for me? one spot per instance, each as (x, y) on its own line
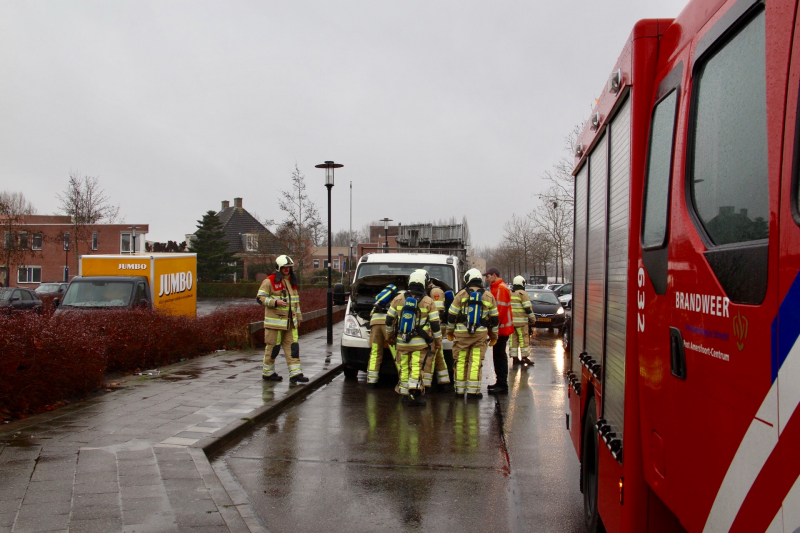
(519, 280)
(284, 260)
(424, 273)
(418, 276)
(472, 275)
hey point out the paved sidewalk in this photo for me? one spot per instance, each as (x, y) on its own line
(133, 460)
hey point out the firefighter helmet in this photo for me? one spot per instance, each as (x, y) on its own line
(424, 273)
(519, 280)
(284, 261)
(473, 277)
(416, 282)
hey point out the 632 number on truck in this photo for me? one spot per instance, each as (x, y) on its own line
(684, 371)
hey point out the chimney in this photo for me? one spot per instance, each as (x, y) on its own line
(237, 202)
(225, 205)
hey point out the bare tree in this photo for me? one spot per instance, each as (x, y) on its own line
(554, 219)
(300, 230)
(87, 204)
(562, 184)
(17, 243)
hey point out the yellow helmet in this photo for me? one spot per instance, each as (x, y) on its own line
(284, 260)
(519, 280)
(424, 272)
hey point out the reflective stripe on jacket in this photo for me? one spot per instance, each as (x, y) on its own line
(502, 296)
(458, 311)
(275, 316)
(521, 308)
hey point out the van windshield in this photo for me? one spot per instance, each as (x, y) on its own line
(445, 273)
(98, 294)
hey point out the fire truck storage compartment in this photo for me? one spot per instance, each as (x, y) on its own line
(617, 273)
(579, 274)
(602, 216)
(596, 254)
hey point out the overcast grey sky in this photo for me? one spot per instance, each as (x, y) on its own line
(435, 108)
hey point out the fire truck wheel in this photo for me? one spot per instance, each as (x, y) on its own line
(350, 373)
(589, 470)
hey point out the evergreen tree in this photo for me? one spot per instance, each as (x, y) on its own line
(213, 259)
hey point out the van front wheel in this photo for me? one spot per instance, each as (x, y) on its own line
(350, 373)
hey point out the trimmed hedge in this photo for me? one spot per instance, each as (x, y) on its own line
(45, 359)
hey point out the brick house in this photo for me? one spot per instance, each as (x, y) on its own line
(248, 238)
(46, 238)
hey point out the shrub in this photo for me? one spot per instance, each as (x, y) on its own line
(45, 358)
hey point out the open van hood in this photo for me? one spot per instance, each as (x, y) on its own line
(364, 290)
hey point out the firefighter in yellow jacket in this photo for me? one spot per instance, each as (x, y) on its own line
(523, 316)
(278, 294)
(472, 323)
(436, 359)
(413, 324)
(377, 334)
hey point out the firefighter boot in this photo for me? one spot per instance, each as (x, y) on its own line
(527, 361)
(414, 398)
(299, 378)
(272, 377)
(474, 395)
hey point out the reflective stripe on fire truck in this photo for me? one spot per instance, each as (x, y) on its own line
(760, 441)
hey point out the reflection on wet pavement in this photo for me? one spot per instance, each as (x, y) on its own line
(349, 458)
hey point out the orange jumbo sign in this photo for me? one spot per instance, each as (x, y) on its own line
(172, 277)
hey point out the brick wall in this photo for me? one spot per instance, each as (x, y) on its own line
(52, 258)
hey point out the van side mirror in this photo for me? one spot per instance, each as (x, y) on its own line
(56, 302)
(339, 297)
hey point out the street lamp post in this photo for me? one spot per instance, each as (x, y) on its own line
(66, 256)
(386, 233)
(133, 239)
(329, 166)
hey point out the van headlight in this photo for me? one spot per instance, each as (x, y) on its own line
(351, 327)
(560, 311)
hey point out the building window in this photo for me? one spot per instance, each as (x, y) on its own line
(7, 240)
(29, 274)
(94, 240)
(36, 242)
(336, 264)
(125, 243)
(316, 263)
(251, 242)
(22, 240)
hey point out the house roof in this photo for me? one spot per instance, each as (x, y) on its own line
(236, 222)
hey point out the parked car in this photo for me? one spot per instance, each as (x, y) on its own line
(563, 290)
(533, 287)
(13, 299)
(105, 292)
(566, 300)
(553, 286)
(548, 310)
(48, 292)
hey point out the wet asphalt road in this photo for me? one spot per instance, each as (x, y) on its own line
(349, 458)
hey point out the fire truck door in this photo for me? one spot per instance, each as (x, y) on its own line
(725, 269)
(781, 469)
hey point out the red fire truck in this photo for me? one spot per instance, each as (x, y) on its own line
(684, 371)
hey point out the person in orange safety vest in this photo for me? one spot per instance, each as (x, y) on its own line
(502, 296)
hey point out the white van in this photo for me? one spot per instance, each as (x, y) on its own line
(373, 273)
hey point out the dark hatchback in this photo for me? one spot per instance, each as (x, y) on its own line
(13, 299)
(547, 308)
(47, 292)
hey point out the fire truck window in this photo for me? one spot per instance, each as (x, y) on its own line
(658, 172)
(728, 173)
